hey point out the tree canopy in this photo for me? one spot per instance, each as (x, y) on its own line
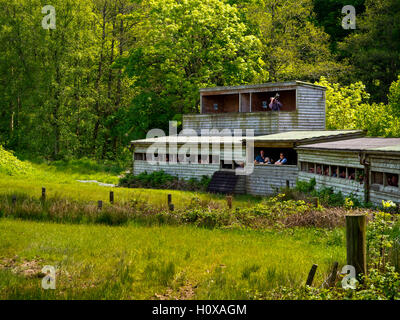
(113, 69)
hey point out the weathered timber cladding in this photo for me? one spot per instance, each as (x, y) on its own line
(388, 164)
(269, 179)
(349, 159)
(378, 163)
(181, 170)
(241, 185)
(346, 186)
(309, 115)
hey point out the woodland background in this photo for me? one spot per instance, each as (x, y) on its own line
(113, 69)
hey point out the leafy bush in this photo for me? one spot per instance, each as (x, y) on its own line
(381, 283)
(327, 196)
(273, 212)
(11, 165)
(162, 180)
(306, 186)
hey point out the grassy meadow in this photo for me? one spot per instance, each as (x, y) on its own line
(60, 181)
(139, 261)
(167, 262)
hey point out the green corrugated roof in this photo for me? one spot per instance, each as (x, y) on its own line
(303, 135)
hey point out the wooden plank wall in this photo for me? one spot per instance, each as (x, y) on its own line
(330, 158)
(268, 179)
(309, 115)
(389, 164)
(181, 170)
(346, 186)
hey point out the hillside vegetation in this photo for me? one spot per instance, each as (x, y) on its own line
(11, 165)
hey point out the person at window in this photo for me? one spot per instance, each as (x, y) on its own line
(326, 171)
(334, 173)
(275, 104)
(319, 170)
(352, 176)
(393, 180)
(261, 159)
(311, 170)
(282, 160)
(342, 174)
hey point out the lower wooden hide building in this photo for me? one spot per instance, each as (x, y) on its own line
(368, 168)
(346, 161)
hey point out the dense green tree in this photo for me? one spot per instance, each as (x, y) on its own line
(348, 107)
(328, 14)
(183, 46)
(59, 89)
(293, 47)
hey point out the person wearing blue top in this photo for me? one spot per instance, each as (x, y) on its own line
(282, 160)
(262, 159)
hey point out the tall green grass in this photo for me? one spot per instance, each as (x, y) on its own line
(135, 262)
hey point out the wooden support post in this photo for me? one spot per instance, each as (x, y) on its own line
(171, 207)
(287, 184)
(332, 277)
(229, 201)
(99, 204)
(112, 197)
(14, 200)
(356, 242)
(43, 194)
(311, 275)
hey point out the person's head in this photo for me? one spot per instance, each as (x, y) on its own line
(262, 153)
(281, 156)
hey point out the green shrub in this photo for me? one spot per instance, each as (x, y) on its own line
(306, 186)
(11, 165)
(162, 180)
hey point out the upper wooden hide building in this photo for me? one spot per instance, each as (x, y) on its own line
(211, 139)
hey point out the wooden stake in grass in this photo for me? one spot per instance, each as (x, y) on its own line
(311, 275)
(171, 207)
(356, 242)
(99, 204)
(332, 277)
(43, 194)
(14, 200)
(229, 201)
(112, 197)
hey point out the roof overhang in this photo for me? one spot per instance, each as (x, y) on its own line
(271, 86)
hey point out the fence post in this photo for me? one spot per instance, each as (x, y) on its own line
(14, 200)
(43, 194)
(99, 204)
(356, 242)
(112, 197)
(311, 275)
(332, 278)
(229, 201)
(171, 207)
